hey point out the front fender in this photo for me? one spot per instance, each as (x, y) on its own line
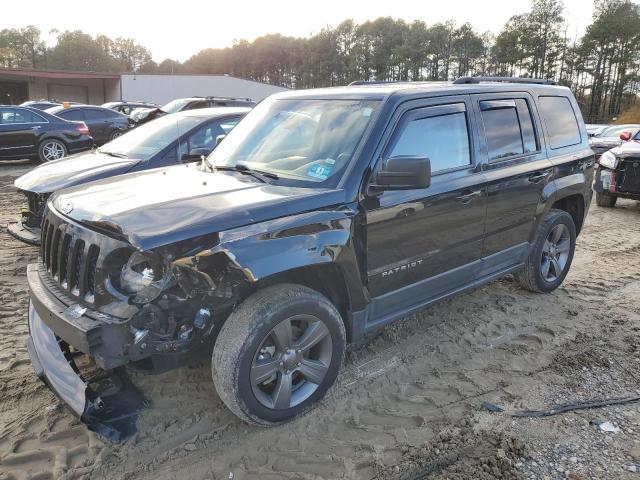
(281, 245)
(274, 246)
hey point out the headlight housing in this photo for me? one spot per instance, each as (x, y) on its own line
(145, 275)
(608, 160)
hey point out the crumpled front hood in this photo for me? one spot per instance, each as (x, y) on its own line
(163, 206)
(71, 171)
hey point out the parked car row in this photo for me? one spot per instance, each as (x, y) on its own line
(146, 114)
(23, 128)
(323, 215)
(181, 137)
(612, 136)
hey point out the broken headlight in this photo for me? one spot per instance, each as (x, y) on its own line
(608, 160)
(145, 275)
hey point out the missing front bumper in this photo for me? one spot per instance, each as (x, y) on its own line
(107, 404)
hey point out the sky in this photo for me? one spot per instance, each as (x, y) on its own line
(178, 30)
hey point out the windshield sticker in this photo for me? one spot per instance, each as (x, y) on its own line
(319, 171)
(366, 112)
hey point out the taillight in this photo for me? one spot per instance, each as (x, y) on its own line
(614, 180)
(82, 129)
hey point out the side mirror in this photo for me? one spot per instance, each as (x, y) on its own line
(625, 136)
(195, 154)
(219, 138)
(404, 173)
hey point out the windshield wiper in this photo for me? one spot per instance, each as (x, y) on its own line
(245, 170)
(113, 154)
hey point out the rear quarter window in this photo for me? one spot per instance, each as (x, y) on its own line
(562, 125)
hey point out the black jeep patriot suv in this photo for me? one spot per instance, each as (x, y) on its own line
(323, 215)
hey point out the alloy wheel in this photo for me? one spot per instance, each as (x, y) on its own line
(555, 253)
(53, 151)
(291, 362)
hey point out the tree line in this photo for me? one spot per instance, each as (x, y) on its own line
(602, 67)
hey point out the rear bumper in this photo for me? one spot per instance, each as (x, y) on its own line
(21, 232)
(108, 404)
(80, 144)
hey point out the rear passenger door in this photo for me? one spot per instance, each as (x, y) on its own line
(516, 170)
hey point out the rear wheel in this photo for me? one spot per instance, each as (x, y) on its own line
(603, 199)
(550, 258)
(51, 149)
(278, 354)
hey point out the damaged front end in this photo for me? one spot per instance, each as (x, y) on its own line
(26, 228)
(96, 295)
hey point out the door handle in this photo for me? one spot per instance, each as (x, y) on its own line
(538, 177)
(468, 195)
(36, 127)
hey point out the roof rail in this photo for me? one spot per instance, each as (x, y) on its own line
(538, 81)
(216, 97)
(375, 82)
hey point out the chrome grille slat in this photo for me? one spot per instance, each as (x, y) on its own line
(75, 285)
(55, 251)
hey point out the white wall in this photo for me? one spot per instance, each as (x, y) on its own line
(161, 89)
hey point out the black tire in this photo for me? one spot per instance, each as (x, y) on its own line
(531, 276)
(603, 199)
(115, 134)
(244, 333)
(47, 148)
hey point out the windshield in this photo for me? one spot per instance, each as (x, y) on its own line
(148, 139)
(301, 141)
(175, 105)
(616, 131)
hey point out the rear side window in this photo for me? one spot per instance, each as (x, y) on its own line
(508, 128)
(562, 125)
(71, 115)
(444, 139)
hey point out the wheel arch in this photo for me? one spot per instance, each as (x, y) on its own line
(574, 205)
(326, 279)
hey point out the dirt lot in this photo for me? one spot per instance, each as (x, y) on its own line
(408, 403)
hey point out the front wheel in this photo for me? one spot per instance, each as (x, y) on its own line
(551, 255)
(605, 200)
(51, 149)
(278, 354)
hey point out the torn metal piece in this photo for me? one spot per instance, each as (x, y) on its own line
(108, 405)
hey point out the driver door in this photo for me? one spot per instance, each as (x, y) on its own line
(422, 244)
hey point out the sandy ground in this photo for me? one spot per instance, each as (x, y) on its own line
(408, 403)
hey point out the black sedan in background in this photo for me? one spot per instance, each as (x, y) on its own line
(127, 107)
(180, 137)
(104, 124)
(31, 133)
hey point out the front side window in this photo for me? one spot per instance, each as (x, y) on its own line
(94, 114)
(18, 115)
(562, 125)
(204, 137)
(303, 141)
(444, 139)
